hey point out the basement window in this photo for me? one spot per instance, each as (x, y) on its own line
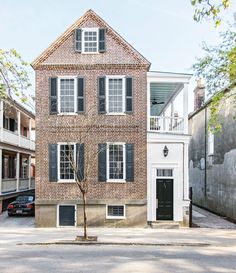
(115, 212)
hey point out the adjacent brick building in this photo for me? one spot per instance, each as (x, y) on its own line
(106, 79)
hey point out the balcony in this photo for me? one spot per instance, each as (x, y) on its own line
(166, 124)
(9, 185)
(16, 126)
(167, 102)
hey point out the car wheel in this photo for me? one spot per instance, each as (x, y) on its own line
(9, 214)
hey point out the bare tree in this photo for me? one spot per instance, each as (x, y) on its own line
(80, 163)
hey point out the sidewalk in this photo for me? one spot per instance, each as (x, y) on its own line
(205, 219)
(141, 236)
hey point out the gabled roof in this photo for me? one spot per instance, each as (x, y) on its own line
(90, 13)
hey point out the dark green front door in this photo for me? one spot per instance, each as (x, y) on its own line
(164, 196)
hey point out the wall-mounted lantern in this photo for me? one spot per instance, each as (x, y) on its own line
(165, 151)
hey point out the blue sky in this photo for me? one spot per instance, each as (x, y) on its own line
(162, 30)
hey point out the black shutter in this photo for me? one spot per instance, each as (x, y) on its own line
(78, 40)
(81, 95)
(129, 94)
(102, 162)
(53, 96)
(102, 40)
(129, 162)
(102, 94)
(53, 162)
(80, 161)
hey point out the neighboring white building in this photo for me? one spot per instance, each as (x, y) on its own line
(17, 151)
(167, 148)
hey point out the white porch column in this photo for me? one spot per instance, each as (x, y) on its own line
(185, 107)
(29, 170)
(17, 171)
(0, 171)
(30, 128)
(148, 105)
(1, 119)
(18, 124)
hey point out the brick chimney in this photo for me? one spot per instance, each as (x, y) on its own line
(199, 94)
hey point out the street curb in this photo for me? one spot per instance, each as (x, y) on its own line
(118, 244)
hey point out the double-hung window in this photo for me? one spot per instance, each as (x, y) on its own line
(66, 159)
(115, 94)
(90, 40)
(67, 95)
(116, 162)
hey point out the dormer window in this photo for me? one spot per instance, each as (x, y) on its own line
(90, 40)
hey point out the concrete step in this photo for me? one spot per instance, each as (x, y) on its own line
(165, 225)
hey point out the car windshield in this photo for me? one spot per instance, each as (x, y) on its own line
(25, 199)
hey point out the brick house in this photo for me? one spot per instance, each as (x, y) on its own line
(90, 66)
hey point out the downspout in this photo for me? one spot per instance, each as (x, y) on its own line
(205, 169)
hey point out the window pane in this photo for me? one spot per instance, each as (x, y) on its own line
(116, 163)
(164, 172)
(115, 96)
(66, 158)
(90, 41)
(67, 95)
(115, 210)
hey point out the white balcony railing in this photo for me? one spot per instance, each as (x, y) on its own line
(10, 137)
(9, 185)
(166, 124)
(23, 184)
(13, 138)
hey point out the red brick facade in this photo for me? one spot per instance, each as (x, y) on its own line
(62, 60)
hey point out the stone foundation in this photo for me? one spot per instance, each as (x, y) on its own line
(136, 216)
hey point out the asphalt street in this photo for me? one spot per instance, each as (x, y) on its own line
(116, 259)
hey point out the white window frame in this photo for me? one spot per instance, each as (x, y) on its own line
(58, 205)
(59, 95)
(58, 162)
(124, 163)
(83, 41)
(210, 140)
(109, 217)
(108, 77)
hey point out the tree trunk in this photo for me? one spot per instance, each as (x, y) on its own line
(85, 216)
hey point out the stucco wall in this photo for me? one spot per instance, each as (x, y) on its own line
(214, 182)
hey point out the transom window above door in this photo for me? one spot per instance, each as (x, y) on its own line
(164, 172)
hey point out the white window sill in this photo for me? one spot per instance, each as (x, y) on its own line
(66, 181)
(116, 181)
(116, 114)
(67, 114)
(115, 217)
(89, 53)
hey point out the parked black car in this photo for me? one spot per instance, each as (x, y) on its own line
(24, 204)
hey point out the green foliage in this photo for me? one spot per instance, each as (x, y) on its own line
(209, 9)
(14, 79)
(218, 66)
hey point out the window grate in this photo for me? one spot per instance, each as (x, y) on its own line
(115, 211)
